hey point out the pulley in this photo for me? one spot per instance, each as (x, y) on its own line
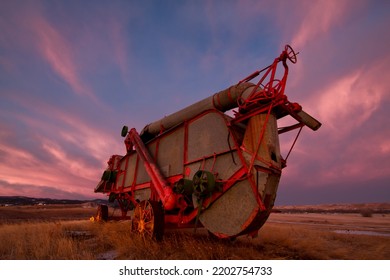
(184, 186)
(204, 184)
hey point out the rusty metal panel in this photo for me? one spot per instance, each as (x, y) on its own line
(224, 166)
(122, 164)
(119, 179)
(271, 189)
(171, 153)
(207, 135)
(232, 211)
(130, 172)
(269, 149)
(227, 164)
(122, 172)
(142, 175)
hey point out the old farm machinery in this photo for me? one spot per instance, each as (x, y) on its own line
(200, 167)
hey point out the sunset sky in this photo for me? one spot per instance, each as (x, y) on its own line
(72, 73)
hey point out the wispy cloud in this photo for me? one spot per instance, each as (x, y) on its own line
(318, 18)
(55, 168)
(337, 80)
(41, 191)
(58, 53)
(348, 102)
(66, 152)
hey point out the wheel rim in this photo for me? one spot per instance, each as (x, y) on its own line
(149, 220)
(291, 55)
(102, 213)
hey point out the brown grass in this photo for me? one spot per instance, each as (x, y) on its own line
(62, 239)
(85, 240)
(15, 214)
(300, 242)
(39, 241)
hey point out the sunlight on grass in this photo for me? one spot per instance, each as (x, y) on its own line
(69, 240)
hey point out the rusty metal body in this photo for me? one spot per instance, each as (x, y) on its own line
(201, 167)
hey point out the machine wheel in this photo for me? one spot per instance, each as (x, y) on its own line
(291, 55)
(102, 213)
(149, 219)
(124, 131)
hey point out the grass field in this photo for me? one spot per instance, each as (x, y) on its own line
(54, 232)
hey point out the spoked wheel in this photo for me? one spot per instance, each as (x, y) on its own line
(291, 55)
(102, 213)
(149, 219)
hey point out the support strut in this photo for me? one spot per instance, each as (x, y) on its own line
(160, 185)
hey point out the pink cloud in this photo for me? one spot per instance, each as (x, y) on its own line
(361, 160)
(57, 169)
(348, 102)
(58, 52)
(346, 89)
(352, 99)
(25, 27)
(69, 160)
(91, 138)
(319, 17)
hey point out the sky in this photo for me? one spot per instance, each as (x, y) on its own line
(72, 73)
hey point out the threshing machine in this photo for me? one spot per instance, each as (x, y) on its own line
(200, 167)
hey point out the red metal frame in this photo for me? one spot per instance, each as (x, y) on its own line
(160, 185)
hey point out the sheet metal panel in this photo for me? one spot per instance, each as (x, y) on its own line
(171, 153)
(207, 135)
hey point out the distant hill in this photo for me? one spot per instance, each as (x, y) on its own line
(379, 208)
(23, 200)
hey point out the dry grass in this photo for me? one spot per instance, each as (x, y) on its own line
(62, 239)
(32, 213)
(85, 240)
(37, 241)
(301, 242)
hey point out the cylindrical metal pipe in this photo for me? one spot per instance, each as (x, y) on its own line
(222, 101)
(160, 185)
(308, 120)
